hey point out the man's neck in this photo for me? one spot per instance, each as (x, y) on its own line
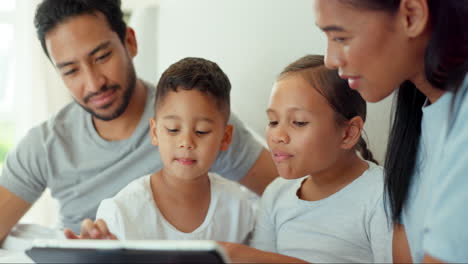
(123, 127)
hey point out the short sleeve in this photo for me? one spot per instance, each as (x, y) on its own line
(241, 155)
(110, 213)
(264, 236)
(24, 172)
(380, 233)
(445, 230)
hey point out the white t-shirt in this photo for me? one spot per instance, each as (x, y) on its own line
(348, 226)
(133, 214)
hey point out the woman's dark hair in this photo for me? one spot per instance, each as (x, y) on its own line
(51, 13)
(346, 102)
(196, 74)
(445, 64)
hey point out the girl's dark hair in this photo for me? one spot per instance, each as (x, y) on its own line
(196, 74)
(445, 64)
(346, 102)
(51, 13)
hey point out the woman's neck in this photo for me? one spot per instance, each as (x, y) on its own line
(336, 177)
(424, 86)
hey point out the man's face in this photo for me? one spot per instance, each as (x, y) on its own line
(94, 64)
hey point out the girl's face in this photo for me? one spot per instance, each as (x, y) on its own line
(371, 49)
(302, 134)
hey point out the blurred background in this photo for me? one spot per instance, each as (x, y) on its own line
(251, 40)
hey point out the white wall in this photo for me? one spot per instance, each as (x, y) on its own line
(251, 40)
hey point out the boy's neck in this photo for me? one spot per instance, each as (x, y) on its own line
(332, 180)
(123, 127)
(180, 189)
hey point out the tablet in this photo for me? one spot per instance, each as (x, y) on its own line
(112, 251)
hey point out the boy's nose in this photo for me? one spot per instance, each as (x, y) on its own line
(280, 136)
(186, 142)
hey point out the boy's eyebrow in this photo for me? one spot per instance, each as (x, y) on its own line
(206, 119)
(91, 53)
(171, 117)
(174, 117)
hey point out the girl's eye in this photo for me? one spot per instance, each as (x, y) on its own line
(339, 40)
(200, 133)
(300, 124)
(272, 123)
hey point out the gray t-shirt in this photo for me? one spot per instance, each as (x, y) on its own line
(67, 155)
(348, 226)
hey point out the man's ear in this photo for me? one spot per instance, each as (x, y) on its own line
(415, 17)
(153, 134)
(227, 138)
(131, 42)
(352, 132)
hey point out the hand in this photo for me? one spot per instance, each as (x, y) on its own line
(91, 230)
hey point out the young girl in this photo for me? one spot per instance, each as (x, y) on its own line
(327, 206)
(418, 49)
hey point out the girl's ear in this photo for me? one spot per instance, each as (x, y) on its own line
(227, 138)
(352, 132)
(153, 134)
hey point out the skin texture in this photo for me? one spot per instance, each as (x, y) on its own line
(376, 51)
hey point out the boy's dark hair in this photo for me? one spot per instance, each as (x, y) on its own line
(346, 102)
(196, 74)
(51, 13)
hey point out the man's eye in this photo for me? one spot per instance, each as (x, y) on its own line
(103, 56)
(339, 40)
(272, 123)
(70, 72)
(300, 124)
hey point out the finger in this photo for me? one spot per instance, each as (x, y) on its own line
(87, 227)
(70, 234)
(102, 227)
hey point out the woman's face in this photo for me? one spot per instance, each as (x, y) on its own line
(369, 48)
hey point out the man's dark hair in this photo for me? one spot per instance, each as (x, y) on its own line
(196, 74)
(51, 13)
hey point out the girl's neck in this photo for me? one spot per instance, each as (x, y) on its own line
(179, 189)
(326, 183)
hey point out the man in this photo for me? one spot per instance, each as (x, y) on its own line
(95, 146)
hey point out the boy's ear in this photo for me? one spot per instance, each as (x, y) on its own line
(153, 134)
(352, 132)
(227, 138)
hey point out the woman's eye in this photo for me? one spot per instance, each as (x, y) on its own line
(272, 123)
(300, 124)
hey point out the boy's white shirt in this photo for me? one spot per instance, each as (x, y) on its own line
(133, 214)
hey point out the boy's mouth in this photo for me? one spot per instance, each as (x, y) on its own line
(280, 156)
(186, 161)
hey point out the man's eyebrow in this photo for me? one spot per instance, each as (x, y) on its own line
(332, 28)
(94, 51)
(99, 47)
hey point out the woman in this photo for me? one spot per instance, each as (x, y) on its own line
(418, 48)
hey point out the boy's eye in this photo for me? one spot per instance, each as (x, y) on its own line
(339, 40)
(198, 132)
(272, 123)
(172, 131)
(300, 124)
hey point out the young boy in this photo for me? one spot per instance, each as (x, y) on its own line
(182, 200)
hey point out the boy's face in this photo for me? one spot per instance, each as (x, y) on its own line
(190, 130)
